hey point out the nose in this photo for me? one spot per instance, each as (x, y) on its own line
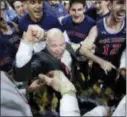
(59, 49)
(76, 13)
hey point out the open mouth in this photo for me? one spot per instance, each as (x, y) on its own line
(121, 14)
(76, 17)
(37, 12)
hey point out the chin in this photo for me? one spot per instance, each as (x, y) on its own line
(120, 20)
(77, 21)
(38, 18)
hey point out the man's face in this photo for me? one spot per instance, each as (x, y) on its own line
(118, 10)
(35, 9)
(19, 8)
(100, 5)
(56, 47)
(77, 12)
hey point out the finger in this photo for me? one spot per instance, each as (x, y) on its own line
(105, 71)
(45, 34)
(94, 46)
(30, 30)
(36, 81)
(40, 85)
(34, 33)
(38, 34)
(41, 36)
(113, 67)
(52, 73)
(24, 34)
(36, 39)
(46, 79)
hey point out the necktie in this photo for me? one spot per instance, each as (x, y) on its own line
(66, 69)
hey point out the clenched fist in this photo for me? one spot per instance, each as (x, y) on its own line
(34, 34)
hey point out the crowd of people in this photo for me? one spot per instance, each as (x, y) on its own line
(63, 58)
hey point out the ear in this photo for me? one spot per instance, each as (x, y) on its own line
(84, 8)
(109, 6)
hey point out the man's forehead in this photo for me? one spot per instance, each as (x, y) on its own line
(123, 1)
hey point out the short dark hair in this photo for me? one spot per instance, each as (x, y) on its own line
(77, 1)
(115, 0)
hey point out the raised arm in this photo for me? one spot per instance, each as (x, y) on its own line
(24, 54)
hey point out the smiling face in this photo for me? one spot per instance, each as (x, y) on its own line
(35, 9)
(19, 8)
(118, 10)
(77, 12)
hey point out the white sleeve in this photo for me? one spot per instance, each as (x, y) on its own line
(39, 46)
(99, 111)
(121, 109)
(69, 106)
(23, 54)
(122, 60)
(66, 37)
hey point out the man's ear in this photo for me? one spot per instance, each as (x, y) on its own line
(84, 9)
(109, 6)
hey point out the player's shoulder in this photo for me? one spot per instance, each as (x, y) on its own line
(66, 20)
(100, 21)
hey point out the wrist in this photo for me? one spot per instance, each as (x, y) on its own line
(28, 90)
(71, 93)
(67, 88)
(26, 41)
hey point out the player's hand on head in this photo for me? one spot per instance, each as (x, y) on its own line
(58, 81)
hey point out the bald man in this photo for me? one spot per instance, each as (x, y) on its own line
(57, 55)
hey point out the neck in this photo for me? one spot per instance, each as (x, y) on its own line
(35, 19)
(83, 17)
(112, 23)
(105, 12)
